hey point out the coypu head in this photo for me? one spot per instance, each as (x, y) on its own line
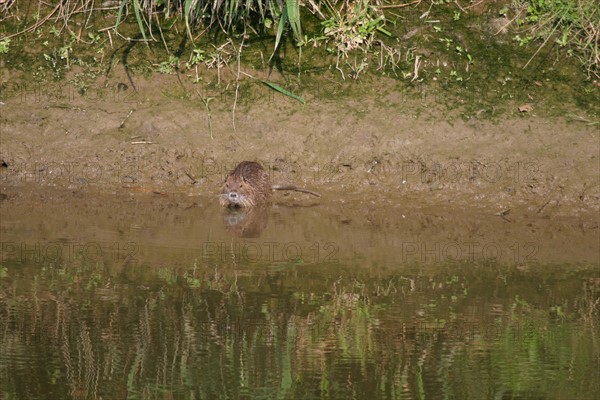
(248, 185)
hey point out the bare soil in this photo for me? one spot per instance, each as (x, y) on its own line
(377, 155)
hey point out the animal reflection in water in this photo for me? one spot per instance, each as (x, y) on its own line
(246, 222)
(246, 194)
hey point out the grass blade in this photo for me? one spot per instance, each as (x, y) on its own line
(282, 22)
(138, 17)
(385, 32)
(283, 91)
(120, 13)
(293, 12)
(186, 15)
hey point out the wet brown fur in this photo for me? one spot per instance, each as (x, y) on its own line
(249, 185)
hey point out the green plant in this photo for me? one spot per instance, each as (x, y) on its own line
(169, 66)
(353, 25)
(283, 91)
(197, 57)
(64, 52)
(229, 15)
(94, 37)
(290, 13)
(4, 43)
(572, 23)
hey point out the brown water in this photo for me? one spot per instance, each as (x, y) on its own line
(140, 296)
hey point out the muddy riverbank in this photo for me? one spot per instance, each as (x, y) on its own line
(386, 149)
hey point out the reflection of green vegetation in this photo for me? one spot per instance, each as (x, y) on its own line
(298, 332)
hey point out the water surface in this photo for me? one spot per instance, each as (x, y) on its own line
(156, 297)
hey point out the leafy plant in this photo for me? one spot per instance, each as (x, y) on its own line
(353, 25)
(169, 66)
(4, 44)
(229, 15)
(289, 13)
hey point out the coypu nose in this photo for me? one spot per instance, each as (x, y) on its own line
(233, 196)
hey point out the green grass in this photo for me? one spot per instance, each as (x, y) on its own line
(573, 24)
(352, 36)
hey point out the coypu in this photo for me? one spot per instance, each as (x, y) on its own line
(249, 185)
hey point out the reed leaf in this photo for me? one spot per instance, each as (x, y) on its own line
(186, 13)
(283, 91)
(120, 13)
(293, 12)
(138, 17)
(282, 22)
(384, 31)
(261, 11)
